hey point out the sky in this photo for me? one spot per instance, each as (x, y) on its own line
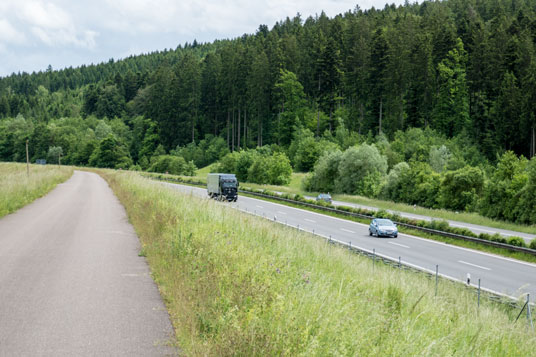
(37, 33)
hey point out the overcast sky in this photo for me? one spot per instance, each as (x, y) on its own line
(63, 33)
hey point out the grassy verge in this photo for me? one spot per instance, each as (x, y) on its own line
(17, 189)
(235, 284)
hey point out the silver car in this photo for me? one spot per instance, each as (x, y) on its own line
(383, 227)
(326, 197)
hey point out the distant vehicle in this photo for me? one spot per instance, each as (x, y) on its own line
(383, 227)
(222, 187)
(326, 197)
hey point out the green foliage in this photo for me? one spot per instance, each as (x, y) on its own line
(174, 165)
(461, 188)
(533, 244)
(305, 150)
(110, 153)
(272, 169)
(451, 113)
(360, 170)
(204, 153)
(501, 194)
(322, 179)
(258, 166)
(54, 153)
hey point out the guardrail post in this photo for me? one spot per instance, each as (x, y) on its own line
(529, 315)
(350, 246)
(478, 302)
(399, 263)
(373, 259)
(436, 278)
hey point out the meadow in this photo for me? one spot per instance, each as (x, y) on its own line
(17, 189)
(235, 284)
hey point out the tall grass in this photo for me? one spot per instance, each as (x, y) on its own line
(235, 284)
(17, 189)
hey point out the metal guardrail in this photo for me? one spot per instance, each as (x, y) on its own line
(364, 216)
(422, 229)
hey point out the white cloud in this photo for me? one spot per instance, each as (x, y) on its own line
(44, 15)
(9, 34)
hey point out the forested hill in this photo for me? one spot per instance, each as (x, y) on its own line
(460, 67)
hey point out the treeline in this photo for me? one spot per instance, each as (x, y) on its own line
(415, 103)
(459, 67)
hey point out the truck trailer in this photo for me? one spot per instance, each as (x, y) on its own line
(222, 187)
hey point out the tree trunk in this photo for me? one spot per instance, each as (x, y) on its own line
(330, 118)
(362, 112)
(245, 129)
(381, 107)
(238, 131)
(233, 131)
(533, 143)
(318, 113)
(228, 120)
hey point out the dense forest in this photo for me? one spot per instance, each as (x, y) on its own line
(429, 104)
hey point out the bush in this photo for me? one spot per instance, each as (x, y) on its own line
(498, 238)
(460, 188)
(533, 244)
(274, 169)
(175, 165)
(360, 169)
(517, 241)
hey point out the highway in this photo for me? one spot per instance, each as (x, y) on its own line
(498, 274)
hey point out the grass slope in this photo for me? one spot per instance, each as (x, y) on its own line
(17, 189)
(235, 284)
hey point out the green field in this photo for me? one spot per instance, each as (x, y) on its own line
(17, 189)
(235, 284)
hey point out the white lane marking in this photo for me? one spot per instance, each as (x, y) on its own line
(310, 220)
(281, 212)
(260, 206)
(448, 246)
(347, 230)
(473, 265)
(400, 245)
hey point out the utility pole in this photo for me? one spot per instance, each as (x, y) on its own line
(27, 160)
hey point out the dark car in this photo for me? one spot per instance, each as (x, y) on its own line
(326, 197)
(383, 227)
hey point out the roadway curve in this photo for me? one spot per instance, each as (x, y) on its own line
(72, 283)
(502, 275)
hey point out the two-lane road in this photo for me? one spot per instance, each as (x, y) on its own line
(71, 280)
(502, 275)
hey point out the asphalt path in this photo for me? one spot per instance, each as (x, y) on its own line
(475, 228)
(72, 283)
(499, 274)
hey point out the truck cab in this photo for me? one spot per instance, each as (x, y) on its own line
(222, 186)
